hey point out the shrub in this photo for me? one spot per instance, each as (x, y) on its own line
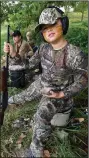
(85, 23)
(79, 37)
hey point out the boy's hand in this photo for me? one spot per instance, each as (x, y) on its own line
(55, 94)
(50, 94)
(8, 48)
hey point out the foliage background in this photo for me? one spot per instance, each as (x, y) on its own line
(24, 15)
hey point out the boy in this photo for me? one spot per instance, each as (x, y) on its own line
(63, 75)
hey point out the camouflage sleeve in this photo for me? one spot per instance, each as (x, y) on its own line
(80, 66)
(29, 94)
(34, 60)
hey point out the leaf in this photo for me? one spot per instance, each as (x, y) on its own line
(81, 119)
(20, 138)
(46, 154)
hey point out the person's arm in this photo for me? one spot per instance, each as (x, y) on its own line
(9, 48)
(79, 67)
(29, 94)
(16, 58)
(34, 60)
(20, 56)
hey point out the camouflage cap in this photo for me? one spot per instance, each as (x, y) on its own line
(48, 16)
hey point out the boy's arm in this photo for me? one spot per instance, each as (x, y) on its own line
(79, 66)
(34, 60)
(29, 94)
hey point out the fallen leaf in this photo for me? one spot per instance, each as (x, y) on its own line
(81, 119)
(46, 154)
(77, 120)
(20, 138)
(12, 106)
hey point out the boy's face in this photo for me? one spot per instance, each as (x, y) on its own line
(52, 33)
(16, 39)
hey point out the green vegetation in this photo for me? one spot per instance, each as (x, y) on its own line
(81, 39)
(25, 15)
(9, 133)
(3, 36)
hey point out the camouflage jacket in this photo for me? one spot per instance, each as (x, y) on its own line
(58, 66)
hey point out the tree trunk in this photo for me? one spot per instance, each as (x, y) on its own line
(82, 16)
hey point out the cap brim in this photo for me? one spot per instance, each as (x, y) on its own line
(39, 27)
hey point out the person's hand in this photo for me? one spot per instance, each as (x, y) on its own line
(8, 48)
(55, 94)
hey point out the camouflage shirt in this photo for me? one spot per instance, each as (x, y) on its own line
(59, 65)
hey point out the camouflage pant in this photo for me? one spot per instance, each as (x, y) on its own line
(47, 108)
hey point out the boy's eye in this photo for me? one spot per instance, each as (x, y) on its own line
(44, 28)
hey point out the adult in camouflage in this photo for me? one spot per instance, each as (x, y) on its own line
(19, 53)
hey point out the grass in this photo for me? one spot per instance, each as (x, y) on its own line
(9, 134)
(73, 146)
(76, 16)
